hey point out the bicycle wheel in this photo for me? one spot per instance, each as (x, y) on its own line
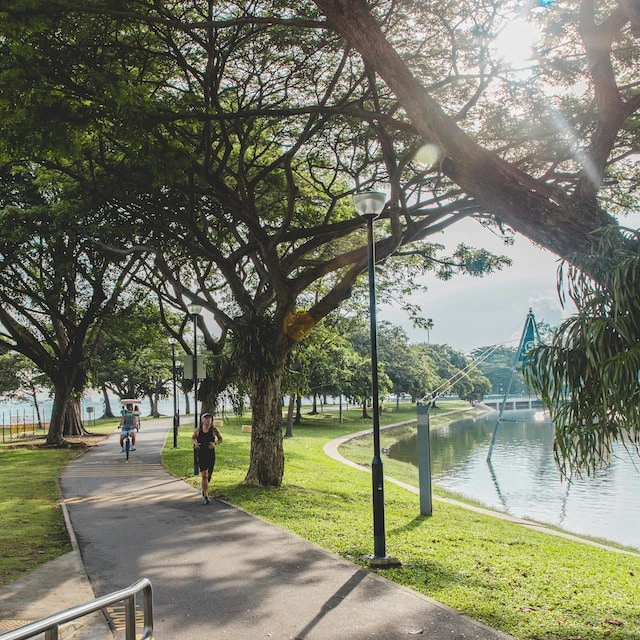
(127, 446)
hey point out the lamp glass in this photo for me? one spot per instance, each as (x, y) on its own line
(194, 309)
(172, 340)
(369, 203)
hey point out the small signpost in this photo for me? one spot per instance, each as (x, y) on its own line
(424, 459)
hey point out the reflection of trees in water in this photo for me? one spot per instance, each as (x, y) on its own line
(520, 437)
(543, 471)
(455, 444)
(563, 509)
(524, 479)
(449, 446)
(496, 484)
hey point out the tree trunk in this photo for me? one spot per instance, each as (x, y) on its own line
(73, 425)
(298, 418)
(153, 404)
(66, 415)
(187, 407)
(314, 405)
(108, 411)
(36, 404)
(365, 415)
(38, 412)
(61, 396)
(290, 412)
(266, 462)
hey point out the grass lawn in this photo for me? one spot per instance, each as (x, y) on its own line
(32, 528)
(526, 583)
(532, 585)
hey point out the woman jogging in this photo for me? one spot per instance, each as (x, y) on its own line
(205, 439)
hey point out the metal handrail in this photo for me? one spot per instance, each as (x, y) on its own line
(50, 625)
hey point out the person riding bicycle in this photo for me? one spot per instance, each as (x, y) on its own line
(128, 424)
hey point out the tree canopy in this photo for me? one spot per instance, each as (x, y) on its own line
(56, 286)
(235, 176)
(227, 137)
(549, 152)
(133, 358)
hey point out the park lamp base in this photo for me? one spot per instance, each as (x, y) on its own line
(383, 562)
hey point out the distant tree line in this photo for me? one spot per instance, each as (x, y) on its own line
(133, 359)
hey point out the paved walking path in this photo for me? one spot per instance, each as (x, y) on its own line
(216, 571)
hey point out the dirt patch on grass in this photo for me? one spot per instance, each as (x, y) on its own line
(84, 442)
(70, 442)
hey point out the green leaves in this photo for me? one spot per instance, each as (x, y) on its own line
(588, 375)
(254, 347)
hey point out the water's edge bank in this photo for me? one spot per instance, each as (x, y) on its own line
(331, 450)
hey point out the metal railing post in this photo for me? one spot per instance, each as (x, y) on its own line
(51, 624)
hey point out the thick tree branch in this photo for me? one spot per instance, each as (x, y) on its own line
(529, 206)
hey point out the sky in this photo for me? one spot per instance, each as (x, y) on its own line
(470, 312)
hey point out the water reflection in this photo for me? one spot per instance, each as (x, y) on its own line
(523, 479)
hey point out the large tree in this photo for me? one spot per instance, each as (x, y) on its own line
(250, 217)
(554, 175)
(563, 163)
(235, 133)
(56, 287)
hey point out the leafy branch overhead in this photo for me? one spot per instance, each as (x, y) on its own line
(217, 146)
(464, 259)
(588, 375)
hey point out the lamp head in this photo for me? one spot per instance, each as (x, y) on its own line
(194, 309)
(369, 204)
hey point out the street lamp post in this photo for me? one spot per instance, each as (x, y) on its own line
(369, 205)
(194, 312)
(176, 409)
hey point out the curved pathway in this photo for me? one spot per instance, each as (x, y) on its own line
(219, 572)
(331, 449)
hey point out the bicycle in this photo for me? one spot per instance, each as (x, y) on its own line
(128, 421)
(127, 444)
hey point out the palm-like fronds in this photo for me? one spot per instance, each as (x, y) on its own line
(588, 376)
(254, 347)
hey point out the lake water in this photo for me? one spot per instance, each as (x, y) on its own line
(523, 479)
(92, 407)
